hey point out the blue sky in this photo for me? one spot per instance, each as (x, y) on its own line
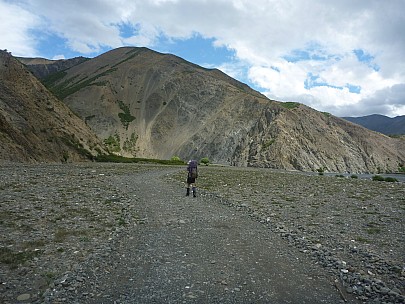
(344, 57)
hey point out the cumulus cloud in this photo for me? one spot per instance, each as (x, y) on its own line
(336, 56)
(15, 29)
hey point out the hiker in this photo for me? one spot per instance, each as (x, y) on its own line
(191, 177)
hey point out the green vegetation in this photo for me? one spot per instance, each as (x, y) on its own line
(65, 89)
(391, 180)
(133, 53)
(290, 105)
(175, 158)
(120, 159)
(62, 234)
(13, 258)
(401, 169)
(130, 144)
(268, 143)
(373, 230)
(126, 117)
(380, 178)
(113, 143)
(205, 161)
(321, 170)
(354, 176)
(77, 145)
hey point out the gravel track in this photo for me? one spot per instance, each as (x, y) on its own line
(114, 233)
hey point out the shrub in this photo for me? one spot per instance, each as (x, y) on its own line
(268, 143)
(175, 158)
(113, 143)
(125, 117)
(205, 161)
(378, 178)
(321, 170)
(354, 176)
(391, 179)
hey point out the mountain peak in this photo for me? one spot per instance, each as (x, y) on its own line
(147, 104)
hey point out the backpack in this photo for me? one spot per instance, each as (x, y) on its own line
(192, 169)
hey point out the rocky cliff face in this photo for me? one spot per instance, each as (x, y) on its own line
(147, 104)
(34, 125)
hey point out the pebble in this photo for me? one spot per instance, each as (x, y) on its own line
(46, 197)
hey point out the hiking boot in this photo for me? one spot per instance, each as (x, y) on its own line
(194, 192)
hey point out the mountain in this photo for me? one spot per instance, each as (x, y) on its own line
(381, 123)
(41, 67)
(147, 104)
(34, 125)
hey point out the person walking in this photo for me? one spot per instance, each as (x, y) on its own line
(191, 177)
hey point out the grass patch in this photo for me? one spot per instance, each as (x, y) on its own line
(290, 105)
(361, 240)
(120, 159)
(62, 234)
(13, 259)
(373, 230)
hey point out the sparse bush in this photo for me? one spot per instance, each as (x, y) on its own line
(205, 161)
(321, 171)
(113, 143)
(268, 143)
(125, 117)
(339, 175)
(378, 178)
(354, 176)
(175, 158)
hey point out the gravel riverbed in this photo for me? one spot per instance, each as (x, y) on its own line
(118, 233)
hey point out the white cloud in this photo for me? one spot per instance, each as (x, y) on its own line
(58, 57)
(15, 26)
(265, 35)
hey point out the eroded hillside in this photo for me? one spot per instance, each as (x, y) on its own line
(36, 126)
(146, 104)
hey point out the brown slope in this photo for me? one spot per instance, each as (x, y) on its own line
(159, 105)
(307, 140)
(36, 126)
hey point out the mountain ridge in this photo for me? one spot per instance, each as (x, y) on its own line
(148, 104)
(381, 123)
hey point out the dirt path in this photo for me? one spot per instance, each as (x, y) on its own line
(194, 250)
